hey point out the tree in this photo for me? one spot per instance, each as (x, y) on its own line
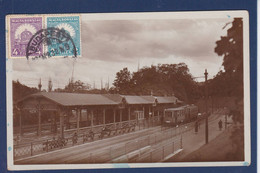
(231, 48)
(145, 81)
(122, 81)
(160, 80)
(20, 91)
(77, 87)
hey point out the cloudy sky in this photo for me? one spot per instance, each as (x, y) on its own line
(109, 46)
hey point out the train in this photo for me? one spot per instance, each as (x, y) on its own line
(179, 115)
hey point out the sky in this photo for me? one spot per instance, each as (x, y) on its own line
(110, 45)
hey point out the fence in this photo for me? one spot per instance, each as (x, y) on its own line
(71, 138)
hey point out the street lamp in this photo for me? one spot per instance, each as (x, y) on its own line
(206, 102)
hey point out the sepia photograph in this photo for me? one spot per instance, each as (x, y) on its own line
(128, 90)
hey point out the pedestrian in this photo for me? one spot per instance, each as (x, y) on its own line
(196, 127)
(220, 124)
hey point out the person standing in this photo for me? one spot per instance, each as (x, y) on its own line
(196, 127)
(220, 124)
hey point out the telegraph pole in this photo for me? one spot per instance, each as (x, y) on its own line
(206, 102)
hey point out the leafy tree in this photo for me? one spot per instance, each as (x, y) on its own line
(160, 80)
(122, 81)
(231, 48)
(77, 87)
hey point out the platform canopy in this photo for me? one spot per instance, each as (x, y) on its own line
(52, 100)
(114, 104)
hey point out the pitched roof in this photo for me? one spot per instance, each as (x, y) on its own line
(136, 100)
(150, 98)
(115, 97)
(75, 99)
(79, 99)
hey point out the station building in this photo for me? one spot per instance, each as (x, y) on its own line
(76, 110)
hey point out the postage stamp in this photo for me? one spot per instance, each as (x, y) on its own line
(70, 26)
(21, 31)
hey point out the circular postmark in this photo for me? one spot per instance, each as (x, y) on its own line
(53, 42)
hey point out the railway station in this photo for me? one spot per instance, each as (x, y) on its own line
(73, 111)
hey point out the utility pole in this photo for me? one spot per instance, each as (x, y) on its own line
(101, 84)
(206, 102)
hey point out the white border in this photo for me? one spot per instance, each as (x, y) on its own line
(146, 16)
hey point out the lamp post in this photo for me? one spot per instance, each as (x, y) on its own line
(206, 102)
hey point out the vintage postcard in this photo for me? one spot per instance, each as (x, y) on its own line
(128, 90)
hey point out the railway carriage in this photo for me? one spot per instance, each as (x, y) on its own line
(193, 112)
(173, 116)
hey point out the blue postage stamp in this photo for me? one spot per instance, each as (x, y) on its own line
(70, 25)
